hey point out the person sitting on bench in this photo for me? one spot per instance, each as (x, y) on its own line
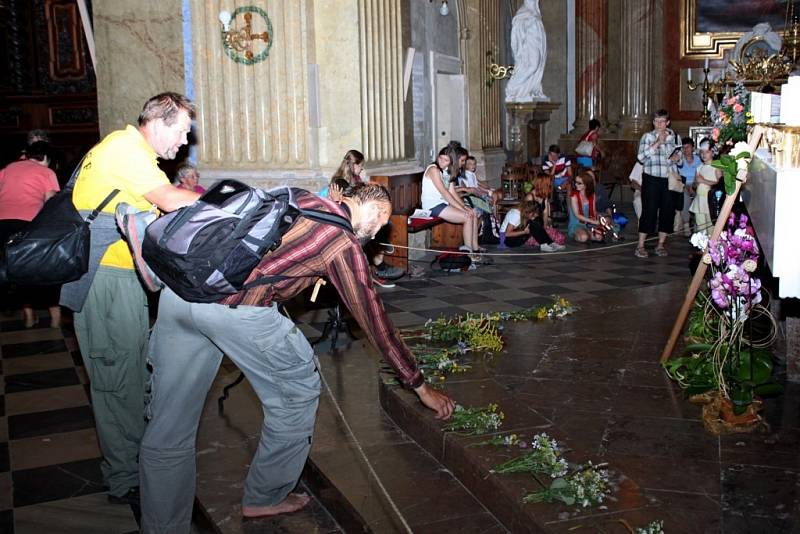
(440, 198)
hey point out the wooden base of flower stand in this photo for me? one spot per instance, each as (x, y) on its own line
(719, 418)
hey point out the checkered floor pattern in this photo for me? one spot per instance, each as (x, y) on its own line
(50, 477)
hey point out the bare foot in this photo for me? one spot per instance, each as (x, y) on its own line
(292, 503)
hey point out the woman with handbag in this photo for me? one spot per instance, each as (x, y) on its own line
(25, 186)
(587, 150)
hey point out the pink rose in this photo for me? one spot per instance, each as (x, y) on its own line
(731, 101)
(715, 134)
(738, 108)
(722, 115)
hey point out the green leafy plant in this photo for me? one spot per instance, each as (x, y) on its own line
(729, 164)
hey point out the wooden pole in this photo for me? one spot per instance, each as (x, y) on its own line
(699, 274)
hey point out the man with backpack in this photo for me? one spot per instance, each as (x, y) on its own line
(189, 339)
(110, 305)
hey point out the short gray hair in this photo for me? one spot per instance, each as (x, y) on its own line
(184, 170)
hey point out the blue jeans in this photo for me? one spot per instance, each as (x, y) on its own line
(186, 349)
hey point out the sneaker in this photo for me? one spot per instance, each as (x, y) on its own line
(130, 497)
(661, 252)
(132, 223)
(382, 283)
(389, 272)
(559, 247)
(548, 247)
(641, 252)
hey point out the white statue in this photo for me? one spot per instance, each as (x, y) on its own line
(529, 45)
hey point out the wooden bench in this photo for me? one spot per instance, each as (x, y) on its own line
(406, 193)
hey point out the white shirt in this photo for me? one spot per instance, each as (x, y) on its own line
(431, 197)
(513, 217)
(470, 179)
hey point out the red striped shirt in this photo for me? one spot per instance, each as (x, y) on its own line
(311, 250)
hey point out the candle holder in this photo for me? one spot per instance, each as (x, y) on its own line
(710, 88)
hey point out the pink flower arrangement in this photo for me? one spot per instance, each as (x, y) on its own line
(732, 117)
(733, 258)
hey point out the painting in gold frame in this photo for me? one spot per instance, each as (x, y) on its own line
(709, 27)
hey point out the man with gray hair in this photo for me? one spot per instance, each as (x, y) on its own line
(111, 318)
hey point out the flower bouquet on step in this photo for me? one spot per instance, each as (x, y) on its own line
(475, 421)
(545, 457)
(589, 486)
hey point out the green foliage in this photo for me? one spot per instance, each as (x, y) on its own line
(727, 164)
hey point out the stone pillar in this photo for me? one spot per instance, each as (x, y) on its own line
(252, 119)
(527, 123)
(381, 64)
(479, 23)
(139, 54)
(638, 23)
(591, 20)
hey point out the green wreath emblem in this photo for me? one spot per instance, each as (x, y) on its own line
(236, 55)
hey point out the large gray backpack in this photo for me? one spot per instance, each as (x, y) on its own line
(206, 251)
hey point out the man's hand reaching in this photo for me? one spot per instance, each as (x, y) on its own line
(436, 400)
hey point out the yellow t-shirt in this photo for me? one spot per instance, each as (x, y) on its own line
(125, 161)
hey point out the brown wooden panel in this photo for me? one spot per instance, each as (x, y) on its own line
(398, 235)
(405, 190)
(446, 235)
(65, 40)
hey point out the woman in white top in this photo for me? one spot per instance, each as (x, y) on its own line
(441, 199)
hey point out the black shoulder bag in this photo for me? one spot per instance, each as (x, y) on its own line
(54, 248)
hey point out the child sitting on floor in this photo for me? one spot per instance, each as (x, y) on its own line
(521, 224)
(540, 194)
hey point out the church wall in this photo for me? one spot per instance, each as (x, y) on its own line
(430, 31)
(139, 54)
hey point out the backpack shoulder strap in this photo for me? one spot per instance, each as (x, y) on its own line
(327, 217)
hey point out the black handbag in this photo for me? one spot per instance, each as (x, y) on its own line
(54, 247)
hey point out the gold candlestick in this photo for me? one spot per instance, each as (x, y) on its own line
(709, 88)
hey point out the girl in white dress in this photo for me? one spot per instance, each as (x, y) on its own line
(706, 178)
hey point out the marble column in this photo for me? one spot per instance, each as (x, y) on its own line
(381, 64)
(638, 23)
(591, 20)
(139, 54)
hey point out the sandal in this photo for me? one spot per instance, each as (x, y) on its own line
(661, 251)
(641, 252)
